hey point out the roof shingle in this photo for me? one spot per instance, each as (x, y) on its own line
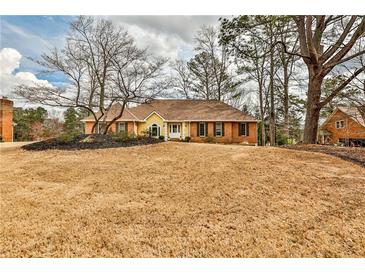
(181, 110)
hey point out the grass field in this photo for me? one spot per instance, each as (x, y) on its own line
(180, 200)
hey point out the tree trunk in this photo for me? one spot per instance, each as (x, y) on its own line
(286, 104)
(262, 114)
(108, 125)
(272, 98)
(263, 133)
(93, 128)
(312, 110)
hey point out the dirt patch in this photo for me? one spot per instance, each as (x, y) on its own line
(180, 200)
(353, 154)
(91, 141)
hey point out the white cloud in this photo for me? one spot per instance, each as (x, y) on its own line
(167, 36)
(9, 62)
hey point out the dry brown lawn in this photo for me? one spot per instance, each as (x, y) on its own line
(180, 200)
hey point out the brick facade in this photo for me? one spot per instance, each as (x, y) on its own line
(113, 127)
(6, 120)
(231, 132)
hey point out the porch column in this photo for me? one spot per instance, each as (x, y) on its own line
(183, 130)
(165, 127)
(134, 128)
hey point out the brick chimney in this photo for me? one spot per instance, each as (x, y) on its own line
(6, 120)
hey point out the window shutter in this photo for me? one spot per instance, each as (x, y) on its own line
(206, 129)
(214, 129)
(126, 127)
(247, 127)
(222, 129)
(240, 129)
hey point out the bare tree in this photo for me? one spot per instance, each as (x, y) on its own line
(101, 41)
(182, 80)
(207, 41)
(325, 43)
(286, 71)
(80, 90)
(103, 67)
(137, 77)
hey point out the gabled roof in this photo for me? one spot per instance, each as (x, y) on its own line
(352, 112)
(113, 112)
(180, 110)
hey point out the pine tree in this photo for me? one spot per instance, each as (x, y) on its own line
(72, 123)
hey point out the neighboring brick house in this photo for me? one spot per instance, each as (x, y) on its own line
(344, 126)
(177, 119)
(6, 120)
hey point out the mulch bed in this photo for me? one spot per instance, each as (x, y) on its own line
(89, 141)
(353, 154)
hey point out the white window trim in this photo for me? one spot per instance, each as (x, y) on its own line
(158, 130)
(178, 128)
(221, 129)
(119, 123)
(205, 129)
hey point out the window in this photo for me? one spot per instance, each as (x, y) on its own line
(340, 124)
(243, 129)
(121, 127)
(202, 129)
(155, 130)
(219, 129)
(175, 129)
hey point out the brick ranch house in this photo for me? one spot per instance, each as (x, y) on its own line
(176, 119)
(345, 126)
(6, 120)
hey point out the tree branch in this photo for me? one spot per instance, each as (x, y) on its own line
(335, 92)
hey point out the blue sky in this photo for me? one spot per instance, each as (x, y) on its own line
(32, 35)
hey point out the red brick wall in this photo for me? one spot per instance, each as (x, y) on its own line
(88, 127)
(231, 133)
(113, 127)
(6, 120)
(130, 128)
(193, 130)
(352, 129)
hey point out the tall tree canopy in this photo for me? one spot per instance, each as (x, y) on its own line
(270, 46)
(326, 43)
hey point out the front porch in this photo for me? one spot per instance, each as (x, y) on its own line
(176, 130)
